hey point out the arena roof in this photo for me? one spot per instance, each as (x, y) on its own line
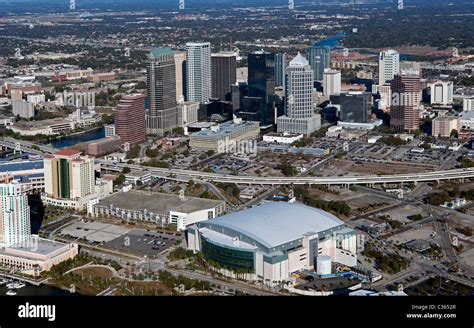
(278, 223)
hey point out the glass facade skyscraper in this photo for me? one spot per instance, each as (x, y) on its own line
(319, 58)
(280, 67)
(260, 103)
(161, 83)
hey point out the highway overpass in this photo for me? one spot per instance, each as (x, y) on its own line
(186, 175)
(26, 146)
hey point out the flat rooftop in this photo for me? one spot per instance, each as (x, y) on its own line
(35, 246)
(21, 166)
(226, 128)
(157, 203)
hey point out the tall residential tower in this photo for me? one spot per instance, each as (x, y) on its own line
(198, 72)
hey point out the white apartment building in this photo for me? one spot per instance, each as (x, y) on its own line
(15, 216)
(468, 104)
(389, 65)
(24, 109)
(198, 72)
(441, 92)
(331, 82)
(189, 113)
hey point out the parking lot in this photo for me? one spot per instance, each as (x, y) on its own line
(143, 242)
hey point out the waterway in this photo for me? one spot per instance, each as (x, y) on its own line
(332, 41)
(77, 139)
(44, 290)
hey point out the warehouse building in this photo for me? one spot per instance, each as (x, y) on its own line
(271, 241)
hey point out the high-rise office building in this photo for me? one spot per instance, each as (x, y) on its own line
(299, 108)
(68, 175)
(130, 119)
(468, 104)
(259, 105)
(179, 61)
(441, 92)
(15, 225)
(280, 69)
(406, 98)
(356, 107)
(389, 65)
(224, 74)
(319, 59)
(161, 79)
(331, 82)
(198, 72)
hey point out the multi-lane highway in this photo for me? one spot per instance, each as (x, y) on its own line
(186, 175)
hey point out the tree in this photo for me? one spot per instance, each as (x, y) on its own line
(210, 153)
(126, 170)
(453, 134)
(120, 180)
(287, 169)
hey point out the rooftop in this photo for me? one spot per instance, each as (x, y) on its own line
(157, 203)
(33, 247)
(299, 60)
(67, 152)
(224, 129)
(277, 223)
(158, 52)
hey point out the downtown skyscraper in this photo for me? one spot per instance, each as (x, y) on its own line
(280, 69)
(224, 74)
(299, 108)
(130, 119)
(319, 58)
(259, 105)
(198, 72)
(162, 112)
(406, 98)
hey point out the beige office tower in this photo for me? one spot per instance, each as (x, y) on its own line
(179, 59)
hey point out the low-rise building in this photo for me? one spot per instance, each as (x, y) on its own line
(467, 120)
(45, 127)
(37, 255)
(442, 126)
(101, 147)
(225, 134)
(137, 177)
(162, 209)
(282, 137)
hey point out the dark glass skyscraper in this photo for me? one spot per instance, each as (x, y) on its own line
(280, 68)
(161, 83)
(356, 107)
(261, 82)
(319, 58)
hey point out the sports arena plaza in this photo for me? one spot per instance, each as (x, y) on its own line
(271, 241)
